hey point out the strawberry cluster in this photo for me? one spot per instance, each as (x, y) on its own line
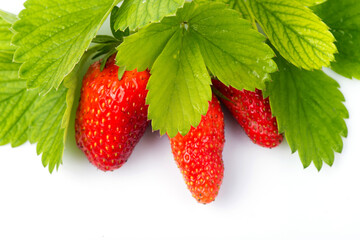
(112, 117)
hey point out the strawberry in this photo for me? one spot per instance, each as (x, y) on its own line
(198, 154)
(253, 113)
(112, 115)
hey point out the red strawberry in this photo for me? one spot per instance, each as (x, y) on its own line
(253, 113)
(198, 154)
(112, 115)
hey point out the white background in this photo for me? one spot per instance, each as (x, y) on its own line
(266, 194)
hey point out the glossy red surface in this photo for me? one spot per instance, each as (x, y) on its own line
(198, 154)
(253, 113)
(112, 115)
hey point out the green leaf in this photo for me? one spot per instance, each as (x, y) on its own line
(343, 17)
(176, 49)
(52, 35)
(45, 119)
(15, 103)
(117, 33)
(309, 108)
(243, 8)
(239, 5)
(138, 13)
(223, 41)
(141, 49)
(222, 37)
(14, 99)
(310, 3)
(6, 20)
(185, 96)
(296, 32)
(25, 115)
(9, 18)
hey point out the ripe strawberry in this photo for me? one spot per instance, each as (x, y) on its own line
(253, 113)
(112, 115)
(198, 154)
